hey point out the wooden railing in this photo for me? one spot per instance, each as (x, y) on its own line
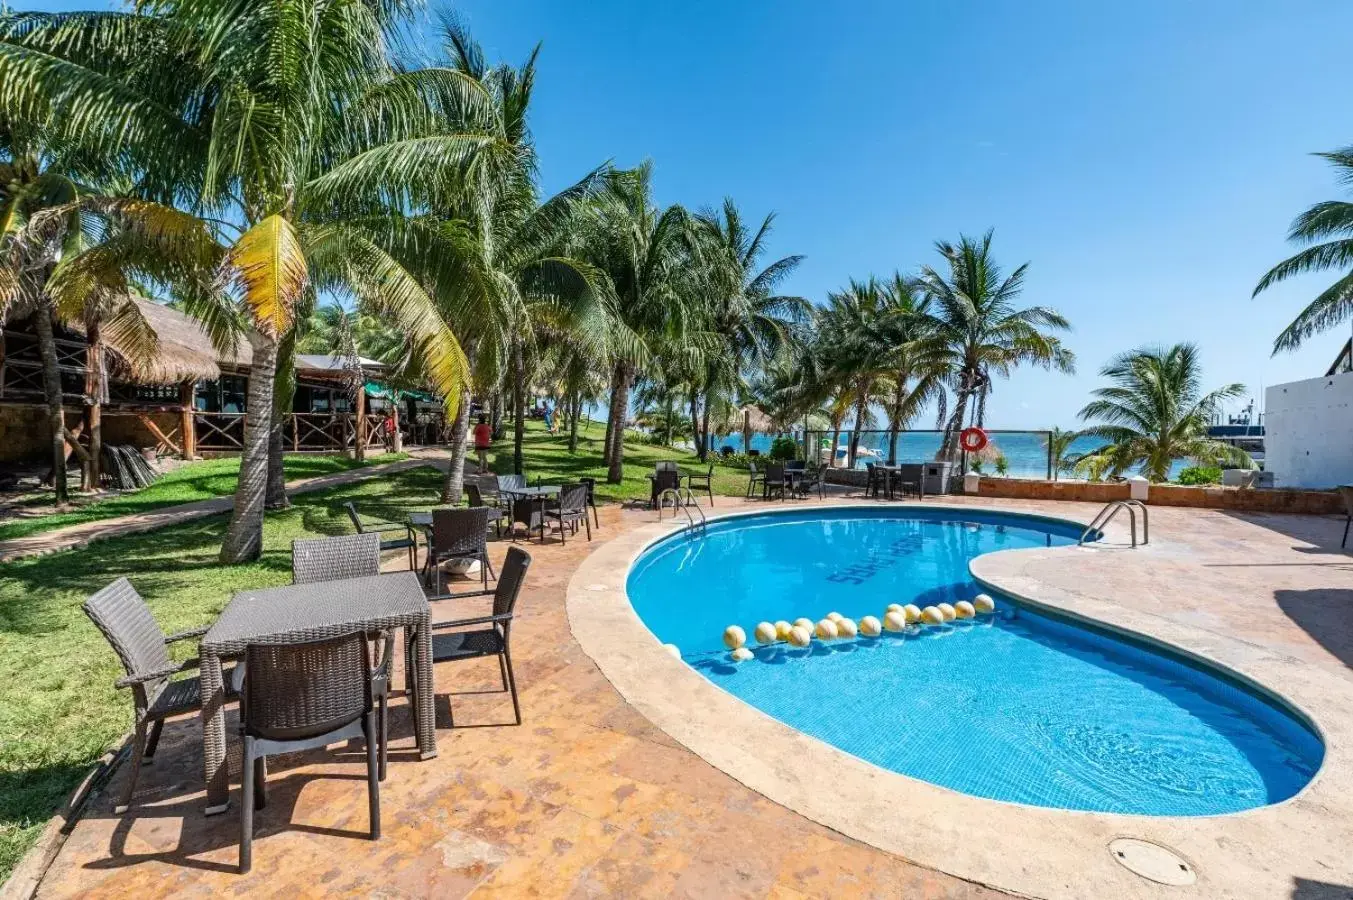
(302, 431)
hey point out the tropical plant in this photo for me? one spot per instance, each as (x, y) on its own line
(755, 323)
(1002, 465)
(76, 253)
(1058, 443)
(261, 115)
(641, 248)
(1200, 475)
(1326, 230)
(1154, 412)
(978, 332)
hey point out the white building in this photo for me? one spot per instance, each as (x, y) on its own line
(1308, 431)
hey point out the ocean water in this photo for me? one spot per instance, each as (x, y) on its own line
(1016, 706)
(1025, 451)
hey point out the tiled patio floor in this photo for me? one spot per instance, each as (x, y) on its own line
(587, 798)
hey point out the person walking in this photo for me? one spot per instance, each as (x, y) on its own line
(483, 440)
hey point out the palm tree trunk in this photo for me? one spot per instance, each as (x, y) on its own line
(575, 404)
(700, 449)
(704, 427)
(949, 448)
(244, 537)
(56, 413)
(284, 393)
(96, 390)
(608, 444)
(895, 418)
(460, 432)
(836, 442)
(861, 401)
(519, 404)
(620, 401)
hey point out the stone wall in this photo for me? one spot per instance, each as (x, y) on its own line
(1239, 499)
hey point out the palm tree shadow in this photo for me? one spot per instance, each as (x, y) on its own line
(1326, 614)
(1306, 889)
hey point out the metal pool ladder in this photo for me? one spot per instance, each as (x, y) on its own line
(1105, 516)
(695, 527)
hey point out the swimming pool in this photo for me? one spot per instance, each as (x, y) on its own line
(1021, 706)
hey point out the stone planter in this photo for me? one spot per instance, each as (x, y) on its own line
(972, 483)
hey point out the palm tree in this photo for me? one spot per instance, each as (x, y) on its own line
(1058, 443)
(641, 248)
(1154, 412)
(979, 331)
(77, 253)
(756, 323)
(260, 112)
(1327, 230)
(917, 365)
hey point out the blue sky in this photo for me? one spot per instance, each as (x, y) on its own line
(1145, 158)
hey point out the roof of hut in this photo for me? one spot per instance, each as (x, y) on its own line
(756, 419)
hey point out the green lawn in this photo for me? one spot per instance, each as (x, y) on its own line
(548, 457)
(58, 709)
(195, 481)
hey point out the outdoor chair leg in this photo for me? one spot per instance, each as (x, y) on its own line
(502, 671)
(512, 682)
(383, 714)
(588, 523)
(138, 752)
(1344, 542)
(562, 530)
(373, 784)
(154, 740)
(596, 515)
(247, 807)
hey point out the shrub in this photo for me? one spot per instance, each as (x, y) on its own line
(1200, 475)
(975, 467)
(784, 448)
(1002, 465)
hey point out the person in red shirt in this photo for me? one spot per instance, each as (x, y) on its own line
(483, 440)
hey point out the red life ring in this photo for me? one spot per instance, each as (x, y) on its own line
(973, 439)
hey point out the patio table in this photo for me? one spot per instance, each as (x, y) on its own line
(528, 506)
(310, 612)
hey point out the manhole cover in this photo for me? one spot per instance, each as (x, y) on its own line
(1152, 861)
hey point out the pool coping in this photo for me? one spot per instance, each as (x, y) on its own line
(1029, 850)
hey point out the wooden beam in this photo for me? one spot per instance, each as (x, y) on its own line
(361, 424)
(159, 435)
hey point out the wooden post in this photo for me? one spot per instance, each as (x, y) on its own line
(397, 439)
(187, 421)
(361, 423)
(94, 393)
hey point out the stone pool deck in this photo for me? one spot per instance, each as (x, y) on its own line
(589, 798)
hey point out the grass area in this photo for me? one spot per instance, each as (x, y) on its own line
(194, 481)
(59, 710)
(547, 455)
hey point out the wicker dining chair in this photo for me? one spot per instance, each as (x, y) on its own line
(488, 488)
(474, 494)
(664, 480)
(496, 638)
(592, 498)
(333, 558)
(508, 482)
(409, 541)
(569, 509)
(697, 481)
(755, 478)
(126, 621)
(775, 482)
(460, 534)
(303, 697)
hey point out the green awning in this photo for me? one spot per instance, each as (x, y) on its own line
(385, 392)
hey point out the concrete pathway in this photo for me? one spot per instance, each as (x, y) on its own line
(73, 536)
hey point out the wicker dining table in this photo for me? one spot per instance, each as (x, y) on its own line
(311, 612)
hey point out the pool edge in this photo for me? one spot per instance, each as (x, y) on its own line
(1013, 847)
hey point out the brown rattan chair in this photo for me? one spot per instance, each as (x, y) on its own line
(460, 534)
(496, 638)
(408, 541)
(702, 482)
(755, 479)
(303, 697)
(332, 558)
(664, 480)
(569, 510)
(474, 494)
(126, 621)
(488, 489)
(507, 482)
(775, 482)
(592, 498)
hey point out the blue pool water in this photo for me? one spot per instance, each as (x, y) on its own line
(1019, 706)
